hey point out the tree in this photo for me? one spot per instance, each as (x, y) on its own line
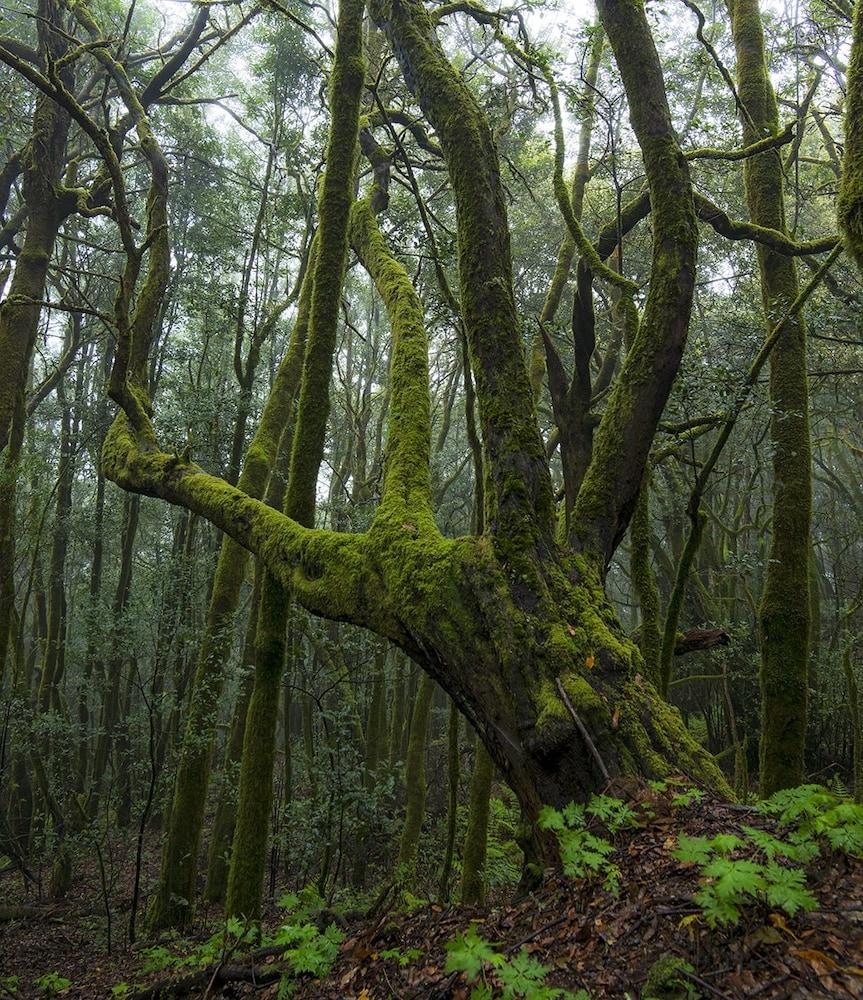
(785, 604)
(515, 624)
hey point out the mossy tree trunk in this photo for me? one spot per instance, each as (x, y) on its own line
(453, 775)
(850, 207)
(514, 624)
(172, 905)
(48, 204)
(476, 838)
(415, 778)
(224, 821)
(249, 850)
(785, 608)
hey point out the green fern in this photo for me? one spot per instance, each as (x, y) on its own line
(469, 953)
(520, 978)
(786, 889)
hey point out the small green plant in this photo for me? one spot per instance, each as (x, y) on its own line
(810, 818)
(583, 853)
(303, 905)
(729, 884)
(9, 984)
(686, 797)
(158, 958)
(313, 951)
(52, 983)
(492, 975)
(305, 949)
(402, 957)
(815, 813)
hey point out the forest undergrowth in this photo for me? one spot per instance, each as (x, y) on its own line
(670, 893)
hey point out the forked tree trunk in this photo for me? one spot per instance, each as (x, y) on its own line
(513, 624)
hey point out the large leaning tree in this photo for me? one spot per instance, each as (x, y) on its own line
(513, 623)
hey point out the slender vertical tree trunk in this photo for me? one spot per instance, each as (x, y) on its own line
(453, 776)
(110, 711)
(476, 838)
(171, 906)
(785, 610)
(415, 776)
(644, 583)
(249, 851)
(20, 311)
(222, 832)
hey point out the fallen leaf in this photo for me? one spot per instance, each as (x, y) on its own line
(821, 964)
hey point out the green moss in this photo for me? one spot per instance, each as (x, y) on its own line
(850, 202)
(334, 207)
(668, 980)
(518, 493)
(407, 483)
(249, 852)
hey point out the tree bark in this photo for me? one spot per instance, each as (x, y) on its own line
(785, 609)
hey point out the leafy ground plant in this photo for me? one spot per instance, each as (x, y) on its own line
(492, 975)
(760, 867)
(304, 949)
(585, 853)
(52, 984)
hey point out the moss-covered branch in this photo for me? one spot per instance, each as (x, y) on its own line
(622, 442)
(763, 235)
(407, 480)
(519, 500)
(850, 206)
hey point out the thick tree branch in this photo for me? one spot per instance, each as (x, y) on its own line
(519, 500)
(407, 480)
(624, 437)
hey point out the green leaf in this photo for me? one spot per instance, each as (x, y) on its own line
(551, 819)
(725, 843)
(468, 953)
(735, 879)
(692, 850)
(786, 889)
(521, 974)
(769, 845)
(685, 798)
(717, 910)
(157, 959)
(573, 814)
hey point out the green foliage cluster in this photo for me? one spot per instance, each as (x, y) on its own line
(738, 871)
(52, 983)
(583, 852)
(494, 976)
(307, 950)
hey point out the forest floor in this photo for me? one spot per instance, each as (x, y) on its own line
(585, 937)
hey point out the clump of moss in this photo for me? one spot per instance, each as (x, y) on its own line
(668, 979)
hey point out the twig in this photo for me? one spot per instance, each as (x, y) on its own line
(704, 984)
(585, 735)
